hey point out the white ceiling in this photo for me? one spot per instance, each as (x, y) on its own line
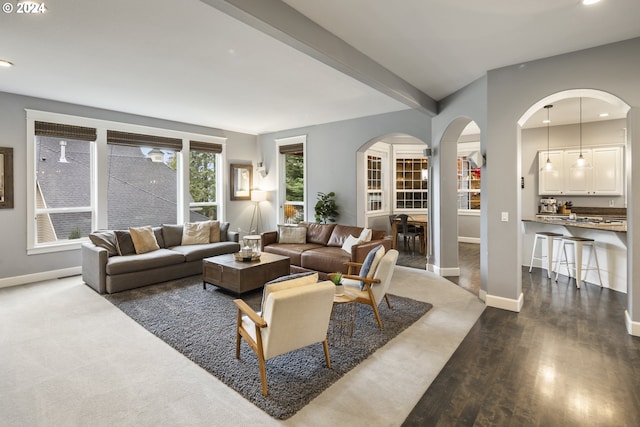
(186, 61)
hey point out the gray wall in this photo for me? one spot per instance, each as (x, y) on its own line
(331, 156)
(14, 260)
(511, 91)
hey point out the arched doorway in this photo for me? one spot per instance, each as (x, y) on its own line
(392, 177)
(578, 124)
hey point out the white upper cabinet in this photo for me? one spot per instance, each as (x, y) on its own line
(608, 171)
(577, 181)
(603, 176)
(551, 182)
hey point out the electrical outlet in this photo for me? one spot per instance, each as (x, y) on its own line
(505, 217)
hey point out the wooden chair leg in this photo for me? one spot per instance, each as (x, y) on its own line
(238, 337)
(263, 375)
(327, 357)
(386, 297)
(375, 311)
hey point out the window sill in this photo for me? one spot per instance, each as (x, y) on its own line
(56, 247)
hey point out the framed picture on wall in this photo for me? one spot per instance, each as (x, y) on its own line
(6, 178)
(241, 177)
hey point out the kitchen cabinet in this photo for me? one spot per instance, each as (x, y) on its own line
(551, 182)
(603, 177)
(608, 171)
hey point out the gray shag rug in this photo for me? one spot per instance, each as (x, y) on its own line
(200, 324)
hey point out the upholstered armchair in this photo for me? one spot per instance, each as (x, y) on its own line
(295, 314)
(371, 286)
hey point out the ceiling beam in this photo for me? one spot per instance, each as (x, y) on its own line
(284, 23)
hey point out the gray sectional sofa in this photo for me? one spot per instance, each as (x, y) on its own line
(109, 266)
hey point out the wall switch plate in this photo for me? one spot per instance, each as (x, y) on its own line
(505, 217)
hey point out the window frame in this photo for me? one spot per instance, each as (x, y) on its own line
(99, 178)
(408, 152)
(294, 140)
(464, 149)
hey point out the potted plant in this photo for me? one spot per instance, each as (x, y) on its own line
(326, 208)
(336, 278)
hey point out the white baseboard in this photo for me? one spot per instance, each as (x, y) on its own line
(633, 328)
(444, 272)
(505, 303)
(463, 239)
(482, 295)
(38, 277)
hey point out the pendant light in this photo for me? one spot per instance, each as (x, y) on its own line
(548, 167)
(581, 163)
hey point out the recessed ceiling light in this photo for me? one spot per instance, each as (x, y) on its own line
(590, 2)
(545, 121)
(5, 63)
(604, 114)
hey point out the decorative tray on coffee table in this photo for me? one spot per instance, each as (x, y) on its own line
(239, 257)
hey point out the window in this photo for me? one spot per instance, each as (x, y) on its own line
(204, 168)
(412, 184)
(468, 185)
(63, 207)
(142, 179)
(292, 179)
(374, 183)
(90, 174)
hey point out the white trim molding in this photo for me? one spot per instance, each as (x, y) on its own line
(505, 303)
(444, 272)
(463, 239)
(38, 277)
(633, 328)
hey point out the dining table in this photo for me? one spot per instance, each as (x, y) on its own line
(420, 220)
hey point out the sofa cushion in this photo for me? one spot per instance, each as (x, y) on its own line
(143, 239)
(198, 252)
(328, 259)
(124, 243)
(365, 236)
(224, 228)
(292, 234)
(157, 231)
(140, 262)
(196, 233)
(318, 233)
(340, 234)
(105, 239)
(293, 251)
(172, 234)
(214, 231)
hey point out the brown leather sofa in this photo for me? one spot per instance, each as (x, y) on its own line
(322, 250)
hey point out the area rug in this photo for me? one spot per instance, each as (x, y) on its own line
(200, 324)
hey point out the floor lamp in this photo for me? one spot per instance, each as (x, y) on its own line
(257, 196)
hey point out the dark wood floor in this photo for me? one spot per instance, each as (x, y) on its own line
(564, 360)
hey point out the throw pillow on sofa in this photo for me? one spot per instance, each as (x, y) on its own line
(292, 234)
(124, 243)
(214, 235)
(349, 242)
(106, 240)
(196, 233)
(144, 240)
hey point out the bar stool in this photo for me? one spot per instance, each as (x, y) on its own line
(551, 239)
(578, 244)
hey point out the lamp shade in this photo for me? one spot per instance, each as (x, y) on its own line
(258, 195)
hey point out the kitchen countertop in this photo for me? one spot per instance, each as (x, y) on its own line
(592, 222)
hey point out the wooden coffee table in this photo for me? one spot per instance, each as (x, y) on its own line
(238, 276)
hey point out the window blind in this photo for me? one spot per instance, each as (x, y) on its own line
(59, 130)
(292, 149)
(141, 140)
(205, 146)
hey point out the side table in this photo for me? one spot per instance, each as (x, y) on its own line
(343, 319)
